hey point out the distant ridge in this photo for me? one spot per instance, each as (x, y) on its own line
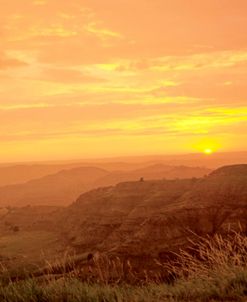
(13, 173)
(240, 169)
(63, 187)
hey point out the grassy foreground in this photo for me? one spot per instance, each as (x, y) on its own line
(232, 289)
(215, 271)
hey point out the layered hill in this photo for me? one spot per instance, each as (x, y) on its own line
(22, 173)
(152, 172)
(63, 187)
(156, 217)
(16, 174)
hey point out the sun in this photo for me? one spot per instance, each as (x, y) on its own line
(208, 151)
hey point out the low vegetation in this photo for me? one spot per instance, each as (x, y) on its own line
(213, 269)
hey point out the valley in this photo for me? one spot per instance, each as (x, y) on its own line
(139, 220)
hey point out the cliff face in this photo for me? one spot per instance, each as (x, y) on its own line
(103, 217)
(155, 217)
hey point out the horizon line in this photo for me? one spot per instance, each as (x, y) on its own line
(114, 158)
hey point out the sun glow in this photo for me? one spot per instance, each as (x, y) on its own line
(208, 151)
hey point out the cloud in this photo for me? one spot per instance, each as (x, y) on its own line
(15, 107)
(112, 120)
(102, 33)
(190, 62)
(69, 76)
(7, 62)
(39, 2)
(52, 31)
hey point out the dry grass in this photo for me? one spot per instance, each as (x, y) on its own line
(212, 269)
(207, 256)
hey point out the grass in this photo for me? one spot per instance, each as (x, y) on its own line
(213, 269)
(73, 290)
(25, 250)
(25, 243)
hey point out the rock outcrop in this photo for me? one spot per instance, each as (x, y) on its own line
(156, 217)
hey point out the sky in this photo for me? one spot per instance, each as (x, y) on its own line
(94, 78)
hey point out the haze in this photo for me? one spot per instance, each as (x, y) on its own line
(97, 78)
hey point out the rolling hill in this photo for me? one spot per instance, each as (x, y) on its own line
(11, 174)
(152, 172)
(63, 187)
(23, 172)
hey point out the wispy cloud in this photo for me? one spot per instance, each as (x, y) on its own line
(10, 62)
(69, 76)
(101, 32)
(137, 75)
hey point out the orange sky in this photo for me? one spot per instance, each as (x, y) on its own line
(94, 78)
